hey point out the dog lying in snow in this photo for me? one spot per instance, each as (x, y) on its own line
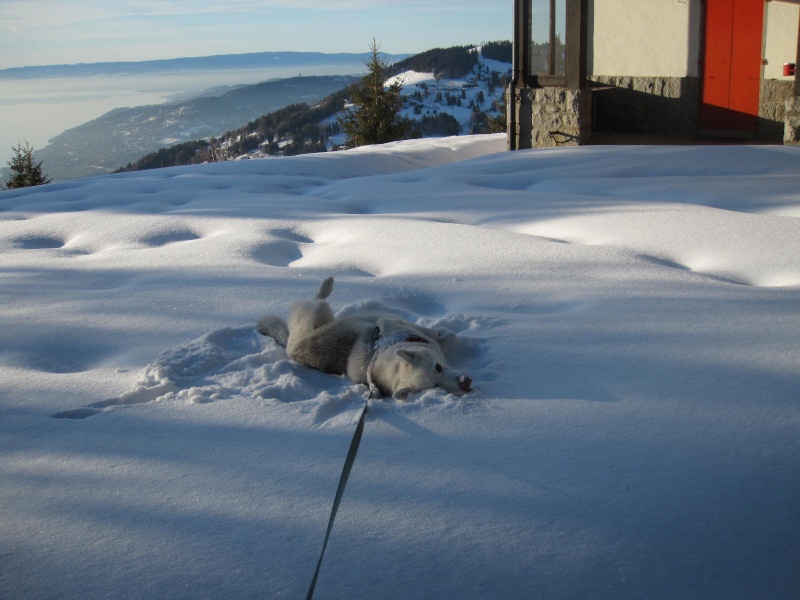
(391, 356)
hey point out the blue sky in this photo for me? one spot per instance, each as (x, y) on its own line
(44, 32)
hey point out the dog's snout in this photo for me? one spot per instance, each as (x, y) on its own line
(464, 382)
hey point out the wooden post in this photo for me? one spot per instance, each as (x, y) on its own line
(576, 41)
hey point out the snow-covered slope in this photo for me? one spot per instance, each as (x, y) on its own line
(428, 95)
(630, 316)
(470, 100)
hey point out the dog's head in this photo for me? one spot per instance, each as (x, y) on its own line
(417, 368)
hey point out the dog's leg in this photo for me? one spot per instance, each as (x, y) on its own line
(306, 316)
(325, 288)
(274, 327)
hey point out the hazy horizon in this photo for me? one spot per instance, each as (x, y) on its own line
(66, 32)
(9, 72)
(35, 110)
(53, 33)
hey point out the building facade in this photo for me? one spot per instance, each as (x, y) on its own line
(719, 68)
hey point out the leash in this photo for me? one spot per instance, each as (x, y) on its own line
(379, 343)
(348, 465)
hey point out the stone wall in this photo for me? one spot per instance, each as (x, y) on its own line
(791, 131)
(551, 116)
(655, 105)
(562, 117)
(772, 108)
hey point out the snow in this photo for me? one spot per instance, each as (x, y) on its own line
(630, 317)
(410, 78)
(432, 92)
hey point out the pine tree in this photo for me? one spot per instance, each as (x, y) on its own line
(499, 123)
(373, 117)
(25, 171)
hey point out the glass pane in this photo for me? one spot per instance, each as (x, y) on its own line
(540, 37)
(560, 38)
(548, 29)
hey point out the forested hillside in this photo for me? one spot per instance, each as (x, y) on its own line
(294, 129)
(126, 134)
(452, 63)
(463, 96)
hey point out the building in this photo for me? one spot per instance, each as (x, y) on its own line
(716, 68)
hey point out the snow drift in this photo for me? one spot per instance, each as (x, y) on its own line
(632, 321)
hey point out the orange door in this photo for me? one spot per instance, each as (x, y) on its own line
(731, 65)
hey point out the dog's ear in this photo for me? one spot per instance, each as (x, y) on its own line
(402, 393)
(407, 355)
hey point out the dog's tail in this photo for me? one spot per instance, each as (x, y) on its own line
(274, 327)
(325, 288)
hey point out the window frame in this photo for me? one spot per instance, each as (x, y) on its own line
(574, 76)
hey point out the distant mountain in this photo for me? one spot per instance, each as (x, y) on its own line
(205, 63)
(126, 134)
(448, 91)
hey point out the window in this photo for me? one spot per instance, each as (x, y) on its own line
(550, 42)
(547, 46)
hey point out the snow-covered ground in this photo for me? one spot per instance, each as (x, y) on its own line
(630, 317)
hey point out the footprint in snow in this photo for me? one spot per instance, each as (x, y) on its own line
(40, 243)
(170, 237)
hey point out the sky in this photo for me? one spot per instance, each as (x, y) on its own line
(47, 32)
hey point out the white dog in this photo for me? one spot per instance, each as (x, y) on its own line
(391, 356)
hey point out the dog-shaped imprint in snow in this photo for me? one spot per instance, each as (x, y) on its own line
(391, 356)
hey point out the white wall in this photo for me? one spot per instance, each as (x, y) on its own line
(662, 37)
(780, 44)
(644, 37)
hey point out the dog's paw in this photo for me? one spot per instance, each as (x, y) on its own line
(402, 393)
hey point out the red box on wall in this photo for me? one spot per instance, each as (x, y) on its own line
(789, 69)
